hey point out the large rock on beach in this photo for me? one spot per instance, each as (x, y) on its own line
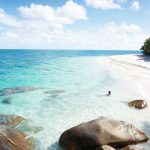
(11, 139)
(10, 91)
(103, 131)
(138, 104)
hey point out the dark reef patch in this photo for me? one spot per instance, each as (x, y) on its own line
(54, 92)
(16, 90)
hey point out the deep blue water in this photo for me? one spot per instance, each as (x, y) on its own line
(65, 53)
(11, 58)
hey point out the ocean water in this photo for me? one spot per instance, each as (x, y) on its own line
(70, 89)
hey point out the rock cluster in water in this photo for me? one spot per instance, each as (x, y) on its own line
(11, 138)
(52, 94)
(16, 90)
(11, 120)
(94, 134)
(99, 134)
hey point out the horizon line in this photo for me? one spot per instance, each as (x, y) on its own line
(70, 49)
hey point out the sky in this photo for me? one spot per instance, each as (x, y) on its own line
(74, 24)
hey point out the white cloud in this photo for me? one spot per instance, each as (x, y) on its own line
(39, 35)
(112, 36)
(103, 4)
(45, 27)
(123, 28)
(7, 20)
(38, 25)
(57, 17)
(73, 11)
(135, 5)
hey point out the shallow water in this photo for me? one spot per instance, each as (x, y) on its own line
(70, 89)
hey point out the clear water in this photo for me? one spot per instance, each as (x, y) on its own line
(83, 83)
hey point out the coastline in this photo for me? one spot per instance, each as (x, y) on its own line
(81, 93)
(134, 67)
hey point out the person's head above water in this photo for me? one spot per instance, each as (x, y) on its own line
(109, 93)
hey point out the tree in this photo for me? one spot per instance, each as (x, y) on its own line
(146, 47)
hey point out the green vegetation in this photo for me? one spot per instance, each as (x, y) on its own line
(146, 47)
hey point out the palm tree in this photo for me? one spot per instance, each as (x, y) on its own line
(146, 47)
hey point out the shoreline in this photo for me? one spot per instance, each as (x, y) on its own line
(82, 102)
(134, 67)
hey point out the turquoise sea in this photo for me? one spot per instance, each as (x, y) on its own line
(70, 88)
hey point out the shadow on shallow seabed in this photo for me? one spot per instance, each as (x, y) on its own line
(54, 146)
(146, 129)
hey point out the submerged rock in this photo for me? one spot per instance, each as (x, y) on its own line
(54, 92)
(139, 104)
(7, 100)
(105, 147)
(11, 139)
(27, 128)
(11, 120)
(53, 96)
(102, 131)
(19, 123)
(10, 91)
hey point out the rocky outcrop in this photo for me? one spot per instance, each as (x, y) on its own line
(10, 91)
(15, 132)
(11, 139)
(138, 104)
(102, 131)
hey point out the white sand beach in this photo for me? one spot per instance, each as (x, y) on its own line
(134, 67)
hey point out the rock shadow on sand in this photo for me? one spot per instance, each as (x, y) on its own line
(146, 58)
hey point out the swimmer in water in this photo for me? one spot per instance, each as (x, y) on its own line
(109, 93)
